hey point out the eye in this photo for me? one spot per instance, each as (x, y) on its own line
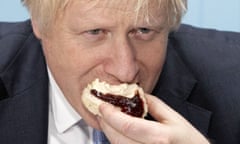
(95, 34)
(143, 33)
(143, 30)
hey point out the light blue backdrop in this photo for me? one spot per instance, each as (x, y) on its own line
(218, 14)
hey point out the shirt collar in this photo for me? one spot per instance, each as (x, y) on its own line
(64, 115)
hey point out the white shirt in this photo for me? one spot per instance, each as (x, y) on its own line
(66, 126)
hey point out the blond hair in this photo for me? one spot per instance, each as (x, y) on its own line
(44, 12)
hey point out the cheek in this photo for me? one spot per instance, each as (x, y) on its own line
(152, 63)
(71, 66)
(67, 58)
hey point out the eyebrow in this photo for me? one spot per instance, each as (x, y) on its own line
(106, 21)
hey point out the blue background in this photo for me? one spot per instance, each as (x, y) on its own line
(217, 14)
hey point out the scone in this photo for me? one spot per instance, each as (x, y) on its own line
(129, 98)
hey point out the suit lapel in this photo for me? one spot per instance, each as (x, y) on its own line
(24, 114)
(175, 86)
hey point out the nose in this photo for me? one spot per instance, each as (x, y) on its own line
(122, 63)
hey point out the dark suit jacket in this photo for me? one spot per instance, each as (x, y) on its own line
(200, 80)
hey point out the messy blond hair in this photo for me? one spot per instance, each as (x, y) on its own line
(44, 12)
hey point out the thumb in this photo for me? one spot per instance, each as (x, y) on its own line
(159, 110)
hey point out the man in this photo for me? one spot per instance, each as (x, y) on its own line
(46, 63)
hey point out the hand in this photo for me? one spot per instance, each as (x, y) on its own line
(170, 128)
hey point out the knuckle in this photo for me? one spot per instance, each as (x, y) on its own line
(127, 126)
(116, 141)
(161, 138)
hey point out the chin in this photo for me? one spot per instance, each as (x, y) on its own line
(90, 119)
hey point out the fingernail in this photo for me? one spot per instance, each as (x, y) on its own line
(103, 107)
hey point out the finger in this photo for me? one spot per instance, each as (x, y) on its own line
(137, 129)
(159, 110)
(113, 135)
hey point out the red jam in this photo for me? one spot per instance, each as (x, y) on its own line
(131, 106)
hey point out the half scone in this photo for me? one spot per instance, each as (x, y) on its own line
(129, 98)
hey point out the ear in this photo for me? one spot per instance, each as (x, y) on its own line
(36, 29)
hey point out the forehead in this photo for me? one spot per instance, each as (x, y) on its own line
(140, 9)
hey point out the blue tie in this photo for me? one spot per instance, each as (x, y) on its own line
(99, 137)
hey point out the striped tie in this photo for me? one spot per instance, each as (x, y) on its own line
(99, 137)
